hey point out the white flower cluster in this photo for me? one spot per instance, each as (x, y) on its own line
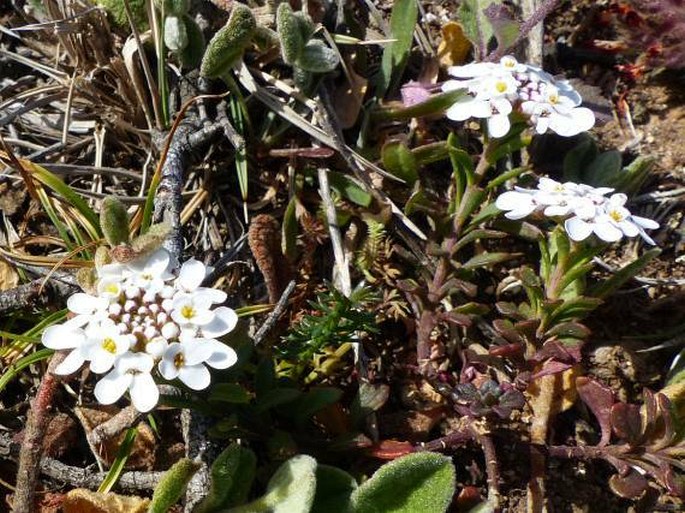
(497, 89)
(145, 317)
(587, 210)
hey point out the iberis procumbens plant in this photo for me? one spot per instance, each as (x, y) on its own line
(585, 210)
(146, 319)
(495, 90)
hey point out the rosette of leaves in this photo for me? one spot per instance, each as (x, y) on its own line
(489, 400)
(298, 47)
(648, 443)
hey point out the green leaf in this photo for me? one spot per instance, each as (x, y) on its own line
(229, 393)
(349, 189)
(486, 259)
(370, 398)
(175, 33)
(289, 33)
(436, 104)
(119, 462)
(114, 221)
(276, 397)
(577, 159)
(316, 57)
(604, 169)
(172, 486)
(402, 24)
(232, 475)
(474, 22)
(422, 482)
(290, 230)
(291, 489)
(13, 370)
(504, 27)
(191, 55)
(624, 274)
(311, 402)
(228, 44)
(400, 161)
(334, 488)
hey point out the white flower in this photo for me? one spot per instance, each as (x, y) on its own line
(185, 362)
(610, 223)
(142, 313)
(104, 344)
(558, 110)
(131, 373)
(192, 309)
(589, 210)
(495, 90)
(150, 272)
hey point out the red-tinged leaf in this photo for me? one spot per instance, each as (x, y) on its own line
(509, 350)
(649, 413)
(551, 367)
(663, 431)
(626, 422)
(599, 398)
(673, 482)
(390, 449)
(630, 486)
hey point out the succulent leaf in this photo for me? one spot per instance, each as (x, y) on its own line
(228, 44)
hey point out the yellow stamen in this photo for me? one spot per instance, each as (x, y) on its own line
(109, 345)
(179, 360)
(112, 288)
(616, 215)
(501, 87)
(188, 312)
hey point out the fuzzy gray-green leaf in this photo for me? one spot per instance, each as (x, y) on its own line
(228, 44)
(232, 474)
(114, 221)
(422, 482)
(290, 33)
(191, 55)
(316, 57)
(175, 33)
(172, 486)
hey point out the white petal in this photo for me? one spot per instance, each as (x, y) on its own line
(225, 319)
(197, 351)
(196, 377)
(223, 356)
(498, 125)
(110, 388)
(144, 392)
(577, 229)
(514, 200)
(102, 362)
(557, 210)
(645, 222)
(82, 303)
(628, 228)
(214, 296)
(156, 347)
(502, 105)
(167, 369)
(453, 85)
(139, 362)
(461, 110)
(191, 275)
(60, 336)
(71, 363)
(607, 231)
(583, 118)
